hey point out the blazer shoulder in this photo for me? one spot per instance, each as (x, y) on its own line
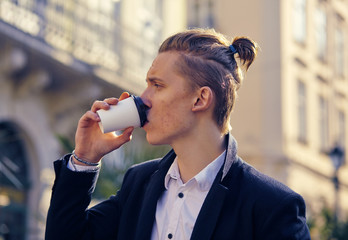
(261, 187)
(280, 212)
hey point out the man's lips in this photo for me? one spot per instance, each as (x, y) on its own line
(146, 122)
(147, 117)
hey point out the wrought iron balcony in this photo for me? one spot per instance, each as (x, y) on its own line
(85, 35)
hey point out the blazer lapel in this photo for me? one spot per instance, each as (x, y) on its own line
(154, 190)
(212, 206)
(210, 211)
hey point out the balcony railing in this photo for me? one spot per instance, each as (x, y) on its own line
(84, 33)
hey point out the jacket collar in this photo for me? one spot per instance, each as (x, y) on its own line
(230, 157)
(231, 154)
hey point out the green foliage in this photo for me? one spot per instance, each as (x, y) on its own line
(66, 144)
(107, 183)
(328, 227)
(329, 223)
(311, 223)
(342, 232)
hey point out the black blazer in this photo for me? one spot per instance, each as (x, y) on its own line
(242, 204)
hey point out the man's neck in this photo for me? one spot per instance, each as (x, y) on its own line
(196, 151)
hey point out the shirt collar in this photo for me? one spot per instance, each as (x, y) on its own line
(173, 173)
(204, 178)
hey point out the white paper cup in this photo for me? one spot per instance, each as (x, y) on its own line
(130, 112)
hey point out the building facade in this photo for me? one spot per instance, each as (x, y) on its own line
(56, 58)
(293, 106)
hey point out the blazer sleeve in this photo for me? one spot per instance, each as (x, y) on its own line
(68, 216)
(287, 220)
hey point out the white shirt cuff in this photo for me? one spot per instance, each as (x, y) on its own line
(80, 168)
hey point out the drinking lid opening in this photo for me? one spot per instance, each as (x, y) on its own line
(141, 107)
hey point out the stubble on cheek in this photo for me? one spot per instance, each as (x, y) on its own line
(170, 116)
(168, 123)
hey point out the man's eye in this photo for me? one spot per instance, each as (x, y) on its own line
(157, 85)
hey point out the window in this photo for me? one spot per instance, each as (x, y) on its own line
(299, 20)
(201, 13)
(321, 33)
(341, 129)
(339, 50)
(151, 20)
(323, 123)
(302, 112)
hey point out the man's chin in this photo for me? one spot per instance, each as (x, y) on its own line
(153, 141)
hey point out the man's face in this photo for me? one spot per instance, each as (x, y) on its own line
(170, 100)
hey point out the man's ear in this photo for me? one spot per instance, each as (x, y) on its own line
(204, 99)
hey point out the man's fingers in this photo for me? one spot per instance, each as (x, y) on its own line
(92, 115)
(127, 133)
(87, 117)
(107, 102)
(99, 105)
(126, 136)
(124, 95)
(111, 101)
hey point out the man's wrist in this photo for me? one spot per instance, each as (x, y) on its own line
(79, 161)
(81, 168)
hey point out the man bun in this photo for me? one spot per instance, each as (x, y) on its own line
(247, 50)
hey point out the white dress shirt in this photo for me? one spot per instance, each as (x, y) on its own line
(179, 206)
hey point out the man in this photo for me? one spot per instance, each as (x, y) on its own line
(199, 190)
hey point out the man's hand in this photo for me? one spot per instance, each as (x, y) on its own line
(90, 143)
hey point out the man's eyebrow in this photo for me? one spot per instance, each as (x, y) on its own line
(153, 79)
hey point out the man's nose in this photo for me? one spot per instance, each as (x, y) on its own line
(145, 96)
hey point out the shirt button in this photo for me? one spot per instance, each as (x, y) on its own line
(181, 195)
(170, 236)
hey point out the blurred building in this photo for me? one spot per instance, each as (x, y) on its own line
(293, 106)
(56, 58)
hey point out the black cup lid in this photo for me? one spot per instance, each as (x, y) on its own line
(142, 108)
